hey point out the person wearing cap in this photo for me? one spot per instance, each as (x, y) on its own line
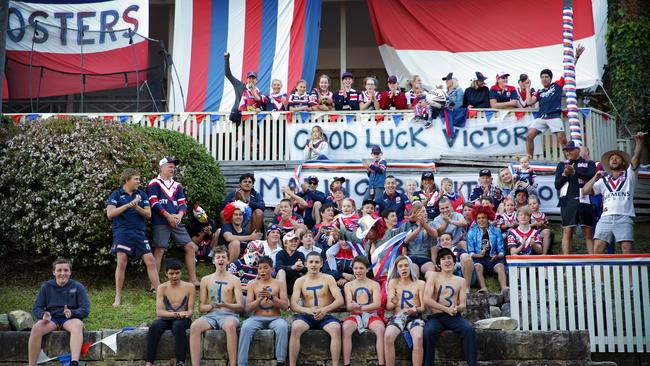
(617, 187)
(429, 194)
(477, 95)
(251, 100)
(273, 242)
(335, 185)
(314, 199)
(393, 98)
(247, 194)
(204, 232)
(347, 99)
(369, 98)
(521, 91)
(290, 262)
(575, 208)
(393, 199)
(502, 95)
(127, 208)
(454, 93)
(376, 170)
(486, 189)
(550, 107)
(446, 295)
(168, 206)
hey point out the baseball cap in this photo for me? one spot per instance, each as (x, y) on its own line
(347, 74)
(427, 175)
(392, 79)
(502, 74)
(571, 145)
(273, 227)
(340, 179)
(523, 77)
(484, 172)
(376, 149)
(480, 76)
(449, 76)
(289, 236)
(251, 74)
(311, 178)
(168, 159)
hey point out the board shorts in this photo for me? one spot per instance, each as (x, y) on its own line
(217, 318)
(541, 124)
(316, 324)
(405, 322)
(161, 234)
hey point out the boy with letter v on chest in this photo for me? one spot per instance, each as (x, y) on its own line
(446, 294)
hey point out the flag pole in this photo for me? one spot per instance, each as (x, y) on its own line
(568, 63)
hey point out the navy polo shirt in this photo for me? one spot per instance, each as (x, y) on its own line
(550, 100)
(399, 202)
(130, 221)
(503, 95)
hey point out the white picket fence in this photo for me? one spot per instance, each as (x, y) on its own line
(265, 136)
(608, 295)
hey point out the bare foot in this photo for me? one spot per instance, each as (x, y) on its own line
(117, 302)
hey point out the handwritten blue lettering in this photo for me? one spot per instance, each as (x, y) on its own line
(366, 291)
(314, 289)
(406, 296)
(448, 298)
(270, 290)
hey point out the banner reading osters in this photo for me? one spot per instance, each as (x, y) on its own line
(77, 36)
(269, 183)
(410, 139)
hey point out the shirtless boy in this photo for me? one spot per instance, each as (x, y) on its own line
(267, 297)
(446, 294)
(363, 299)
(405, 293)
(174, 308)
(320, 296)
(221, 298)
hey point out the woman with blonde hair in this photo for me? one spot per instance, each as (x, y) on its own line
(321, 96)
(317, 147)
(454, 93)
(477, 95)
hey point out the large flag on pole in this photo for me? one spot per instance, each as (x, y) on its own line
(432, 38)
(276, 38)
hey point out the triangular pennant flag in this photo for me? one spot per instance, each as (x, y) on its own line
(64, 359)
(246, 117)
(46, 115)
(304, 116)
(108, 118)
(260, 118)
(520, 115)
(536, 115)
(379, 118)
(488, 115)
(199, 118)
(606, 116)
(585, 111)
(275, 115)
(111, 342)
(123, 118)
(397, 119)
(471, 113)
(503, 114)
(43, 358)
(64, 117)
(137, 117)
(31, 117)
(334, 117)
(16, 118)
(166, 117)
(152, 119)
(349, 118)
(85, 348)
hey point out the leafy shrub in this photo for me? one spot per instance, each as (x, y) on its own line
(59, 173)
(198, 172)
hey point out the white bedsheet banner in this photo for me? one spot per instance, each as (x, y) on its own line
(269, 183)
(410, 140)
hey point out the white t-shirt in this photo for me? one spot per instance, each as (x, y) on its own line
(304, 251)
(271, 252)
(618, 194)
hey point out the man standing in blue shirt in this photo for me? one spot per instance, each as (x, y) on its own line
(550, 107)
(127, 209)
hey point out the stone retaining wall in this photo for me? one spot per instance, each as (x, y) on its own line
(494, 348)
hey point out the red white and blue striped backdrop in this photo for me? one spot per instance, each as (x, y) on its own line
(276, 38)
(431, 38)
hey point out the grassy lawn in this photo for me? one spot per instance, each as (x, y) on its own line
(21, 285)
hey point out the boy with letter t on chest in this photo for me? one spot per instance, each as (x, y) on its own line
(221, 298)
(446, 294)
(320, 296)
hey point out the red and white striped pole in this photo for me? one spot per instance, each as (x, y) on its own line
(568, 62)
